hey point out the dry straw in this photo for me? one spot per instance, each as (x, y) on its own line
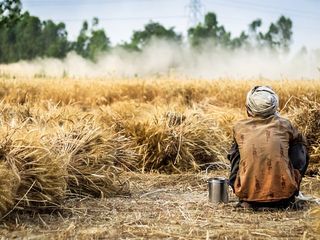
(307, 118)
(44, 163)
(92, 155)
(174, 142)
(9, 183)
(61, 139)
(37, 178)
(314, 221)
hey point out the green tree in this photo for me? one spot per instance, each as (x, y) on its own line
(284, 26)
(20, 40)
(98, 43)
(211, 32)
(253, 27)
(255, 36)
(54, 39)
(9, 12)
(91, 42)
(7, 40)
(278, 36)
(241, 41)
(28, 32)
(29, 38)
(152, 30)
(80, 45)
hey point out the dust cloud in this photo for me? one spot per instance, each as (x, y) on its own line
(163, 58)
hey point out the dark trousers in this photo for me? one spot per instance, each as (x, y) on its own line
(299, 157)
(282, 204)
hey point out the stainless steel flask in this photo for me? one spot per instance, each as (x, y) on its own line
(218, 190)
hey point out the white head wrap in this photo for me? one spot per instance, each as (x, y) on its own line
(262, 101)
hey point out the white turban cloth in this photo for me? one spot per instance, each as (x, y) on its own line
(262, 101)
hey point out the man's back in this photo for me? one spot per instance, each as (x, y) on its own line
(265, 172)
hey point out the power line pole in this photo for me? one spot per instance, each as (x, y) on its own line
(195, 12)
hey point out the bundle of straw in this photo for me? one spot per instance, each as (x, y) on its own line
(40, 166)
(37, 178)
(176, 142)
(307, 119)
(92, 155)
(42, 175)
(9, 183)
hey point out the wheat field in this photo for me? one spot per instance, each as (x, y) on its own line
(129, 157)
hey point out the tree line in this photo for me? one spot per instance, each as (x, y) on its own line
(25, 37)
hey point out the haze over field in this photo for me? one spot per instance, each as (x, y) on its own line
(163, 57)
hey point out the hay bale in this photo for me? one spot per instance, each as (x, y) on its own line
(43, 181)
(307, 119)
(177, 142)
(31, 177)
(92, 155)
(41, 166)
(9, 183)
(42, 174)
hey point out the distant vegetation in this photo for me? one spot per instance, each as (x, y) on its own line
(25, 37)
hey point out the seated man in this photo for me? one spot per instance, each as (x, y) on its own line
(268, 157)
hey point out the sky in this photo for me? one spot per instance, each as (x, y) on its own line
(120, 18)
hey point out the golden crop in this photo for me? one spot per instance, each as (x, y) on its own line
(65, 137)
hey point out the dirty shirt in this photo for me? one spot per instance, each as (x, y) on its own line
(265, 171)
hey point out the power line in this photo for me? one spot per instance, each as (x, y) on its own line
(96, 2)
(126, 18)
(195, 7)
(262, 8)
(273, 7)
(63, 3)
(194, 16)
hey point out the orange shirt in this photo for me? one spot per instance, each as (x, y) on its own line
(265, 172)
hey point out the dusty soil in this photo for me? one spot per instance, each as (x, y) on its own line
(162, 206)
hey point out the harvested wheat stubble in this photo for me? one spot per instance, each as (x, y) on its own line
(311, 187)
(162, 206)
(314, 216)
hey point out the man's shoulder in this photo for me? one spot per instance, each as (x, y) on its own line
(284, 121)
(259, 121)
(242, 123)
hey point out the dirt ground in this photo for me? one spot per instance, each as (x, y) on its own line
(162, 206)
